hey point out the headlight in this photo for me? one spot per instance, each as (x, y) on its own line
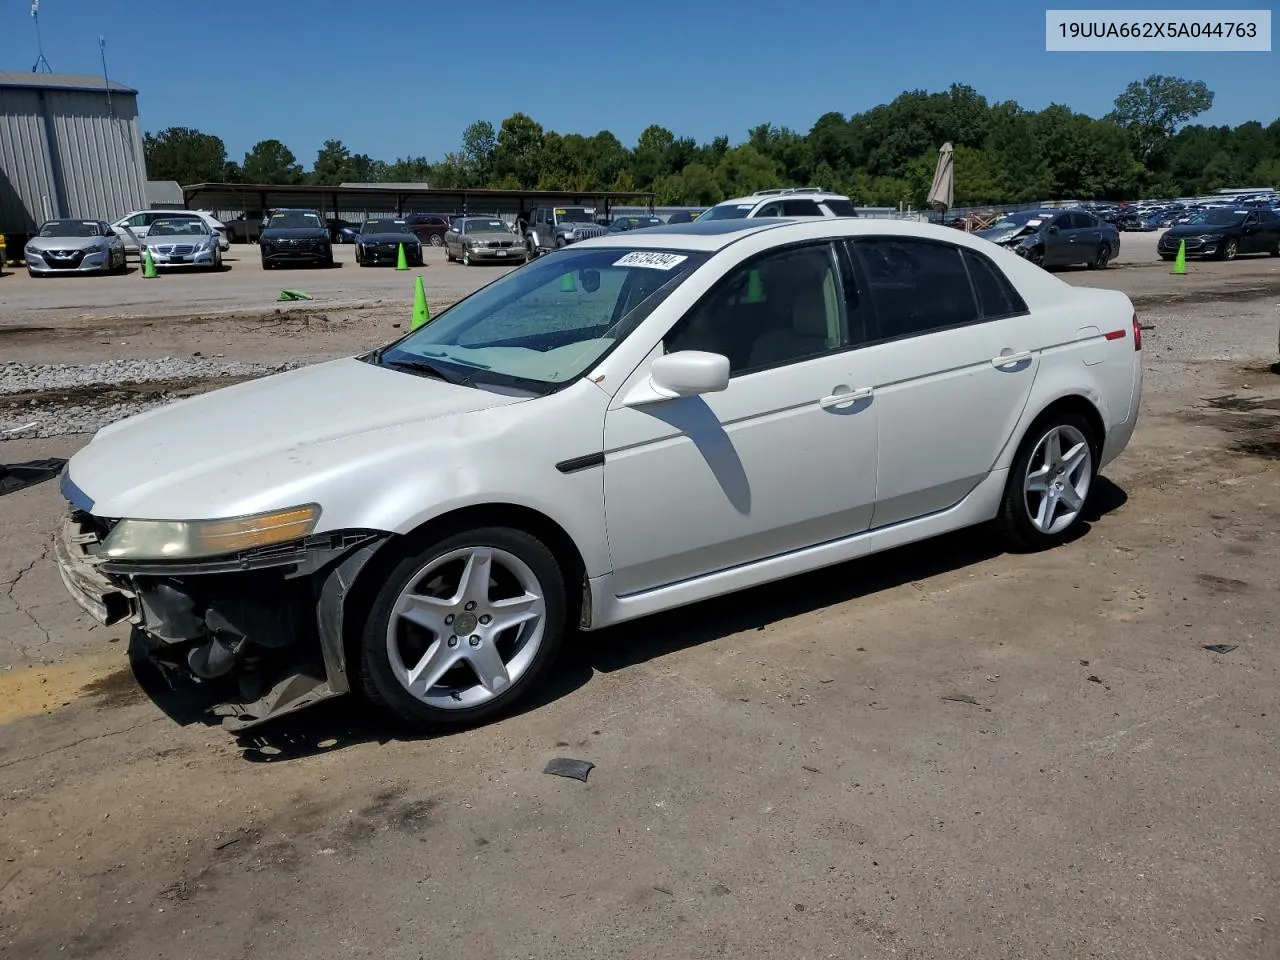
(192, 539)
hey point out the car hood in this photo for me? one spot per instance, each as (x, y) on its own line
(294, 233)
(1200, 229)
(66, 243)
(389, 237)
(228, 452)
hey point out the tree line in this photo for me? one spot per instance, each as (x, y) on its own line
(1145, 147)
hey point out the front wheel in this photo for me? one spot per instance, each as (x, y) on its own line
(464, 628)
(1229, 249)
(466, 258)
(1049, 483)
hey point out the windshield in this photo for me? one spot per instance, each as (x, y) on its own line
(1016, 221)
(727, 211)
(385, 226)
(546, 323)
(292, 219)
(1218, 218)
(572, 215)
(178, 228)
(70, 228)
(484, 226)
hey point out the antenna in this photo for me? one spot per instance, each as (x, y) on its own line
(41, 62)
(102, 49)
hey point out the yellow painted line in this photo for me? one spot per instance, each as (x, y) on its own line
(32, 691)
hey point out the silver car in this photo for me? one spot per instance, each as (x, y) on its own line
(183, 242)
(74, 246)
(472, 239)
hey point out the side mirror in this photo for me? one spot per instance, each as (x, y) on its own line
(688, 373)
(1053, 228)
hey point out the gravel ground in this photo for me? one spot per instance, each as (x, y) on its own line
(53, 400)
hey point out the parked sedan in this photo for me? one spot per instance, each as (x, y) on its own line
(476, 239)
(637, 422)
(1056, 238)
(135, 226)
(74, 246)
(380, 240)
(1224, 233)
(184, 242)
(631, 222)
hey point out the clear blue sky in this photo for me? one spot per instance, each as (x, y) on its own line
(296, 69)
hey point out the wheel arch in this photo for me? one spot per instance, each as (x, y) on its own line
(1070, 403)
(525, 519)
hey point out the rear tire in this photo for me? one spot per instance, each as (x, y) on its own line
(1101, 257)
(1057, 460)
(393, 644)
(437, 240)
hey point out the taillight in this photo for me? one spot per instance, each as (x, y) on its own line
(1137, 332)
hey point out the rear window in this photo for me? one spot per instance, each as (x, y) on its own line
(841, 208)
(727, 211)
(800, 208)
(996, 296)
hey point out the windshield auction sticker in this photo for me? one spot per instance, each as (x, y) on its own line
(1187, 31)
(650, 259)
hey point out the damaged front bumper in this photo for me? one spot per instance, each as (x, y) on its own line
(262, 630)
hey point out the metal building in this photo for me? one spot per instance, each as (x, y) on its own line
(70, 146)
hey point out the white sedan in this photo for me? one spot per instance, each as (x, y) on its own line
(631, 424)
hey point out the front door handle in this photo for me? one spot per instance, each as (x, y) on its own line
(846, 398)
(1008, 359)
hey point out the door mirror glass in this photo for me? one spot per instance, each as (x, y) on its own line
(590, 280)
(1053, 228)
(689, 373)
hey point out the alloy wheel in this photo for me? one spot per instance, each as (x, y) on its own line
(466, 627)
(1058, 477)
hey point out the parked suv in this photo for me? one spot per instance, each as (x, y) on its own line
(783, 202)
(295, 236)
(555, 227)
(429, 227)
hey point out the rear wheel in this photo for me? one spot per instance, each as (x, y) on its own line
(463, 628)
(1101, 257)
(1049, 482)
(437, 240)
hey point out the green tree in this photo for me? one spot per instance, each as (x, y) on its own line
(479, 141)
(650, 159)
(1153, 109)
(743, 170)
(518, 152)
(270, 161)
(185, 155)
(333, 163)
(1017, 156)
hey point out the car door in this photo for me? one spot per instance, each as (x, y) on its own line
(954, 358)
(1057, 241)
(783, 459)
(1086, 235)
(1252, 239)
(453, 237)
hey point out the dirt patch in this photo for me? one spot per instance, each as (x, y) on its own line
(1251, 423)
(37, 690)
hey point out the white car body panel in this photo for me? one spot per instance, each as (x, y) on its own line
(697, 496)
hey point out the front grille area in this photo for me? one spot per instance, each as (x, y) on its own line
(176, 249)
(64, 259)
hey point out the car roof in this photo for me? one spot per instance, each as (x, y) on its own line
(710, 236)
(815, 195)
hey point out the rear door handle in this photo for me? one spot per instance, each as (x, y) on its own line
(843, 399)
(1008, 359)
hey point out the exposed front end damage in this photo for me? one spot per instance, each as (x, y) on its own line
(262, 629)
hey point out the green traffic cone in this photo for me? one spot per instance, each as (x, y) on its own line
(401, 263)
(421, 312)
(567, 284)
(1180, 265)
(148, 264)
(755, 291)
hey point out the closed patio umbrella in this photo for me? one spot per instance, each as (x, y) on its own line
(943, 191)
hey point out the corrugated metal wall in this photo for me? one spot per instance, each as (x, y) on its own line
(26, 182)
(97, 169)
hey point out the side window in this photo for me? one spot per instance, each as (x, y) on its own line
(1082, 221)
(1062, 221)
(800, 208)
(773, 209)
(781, 308)
(996, 296)
(540, 216)
(916, 286)
(137, 220)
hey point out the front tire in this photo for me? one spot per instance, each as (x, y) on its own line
(466, 258)
(463, 628)
(1229, 249)
(1049, 482)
